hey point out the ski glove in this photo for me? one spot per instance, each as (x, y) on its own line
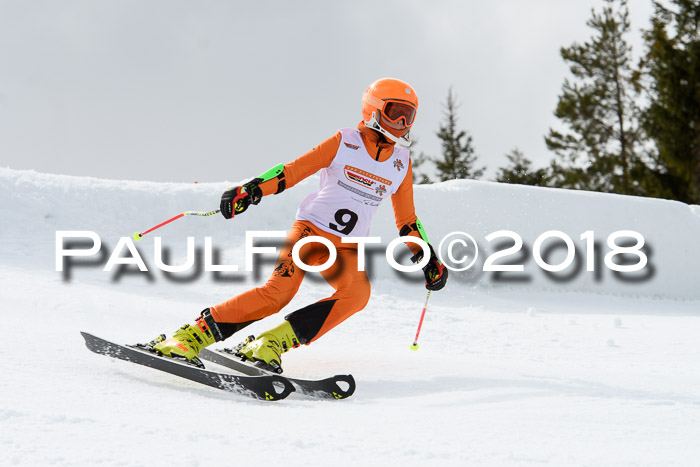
(237, 199)
(435, 272)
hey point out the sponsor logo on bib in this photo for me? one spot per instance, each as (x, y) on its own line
(364, 178)
(359, 179)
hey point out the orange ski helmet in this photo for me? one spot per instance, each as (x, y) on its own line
(389, 106)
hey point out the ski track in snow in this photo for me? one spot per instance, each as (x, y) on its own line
(503, 376)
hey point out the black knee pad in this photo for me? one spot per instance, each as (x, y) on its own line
(308, 321)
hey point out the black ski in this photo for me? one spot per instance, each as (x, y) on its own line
(323, 388)
(268, 387)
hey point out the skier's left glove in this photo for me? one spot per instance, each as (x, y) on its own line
(237, 199)
(435, 272)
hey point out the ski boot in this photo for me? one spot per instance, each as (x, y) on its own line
(187, 341)
(267, 349)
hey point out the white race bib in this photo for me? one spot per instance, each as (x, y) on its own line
(352, 187)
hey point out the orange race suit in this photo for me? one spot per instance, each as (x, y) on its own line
(352, 287)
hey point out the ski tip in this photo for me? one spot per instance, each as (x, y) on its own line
(345, 386)
(281, 388)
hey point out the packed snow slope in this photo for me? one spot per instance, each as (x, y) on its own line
(575, 367)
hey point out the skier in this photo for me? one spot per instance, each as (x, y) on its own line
(359, 168)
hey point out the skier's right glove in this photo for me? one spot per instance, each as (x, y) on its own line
(435, 272)
(237, 199)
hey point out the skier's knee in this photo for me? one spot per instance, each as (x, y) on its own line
(277, 296)
(362, 291)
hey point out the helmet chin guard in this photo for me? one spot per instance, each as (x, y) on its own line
(373, 124)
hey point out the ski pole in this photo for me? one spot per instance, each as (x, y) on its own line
(414, 346)
(275, 172)
(139, 235)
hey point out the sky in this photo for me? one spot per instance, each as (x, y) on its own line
(183, 91)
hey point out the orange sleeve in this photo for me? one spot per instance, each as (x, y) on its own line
(404, 209)
(319, 157)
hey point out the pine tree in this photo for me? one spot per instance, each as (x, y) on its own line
(672, 119)
(458, 156)
(520, 171)
(602, 149)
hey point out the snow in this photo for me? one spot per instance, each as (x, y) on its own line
(589, 371)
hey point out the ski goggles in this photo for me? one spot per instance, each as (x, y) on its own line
(393, 110)
(396, 110)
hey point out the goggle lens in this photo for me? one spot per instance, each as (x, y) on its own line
(394, 111)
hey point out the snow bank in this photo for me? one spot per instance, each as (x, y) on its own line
(34, 206)
(521, 372)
